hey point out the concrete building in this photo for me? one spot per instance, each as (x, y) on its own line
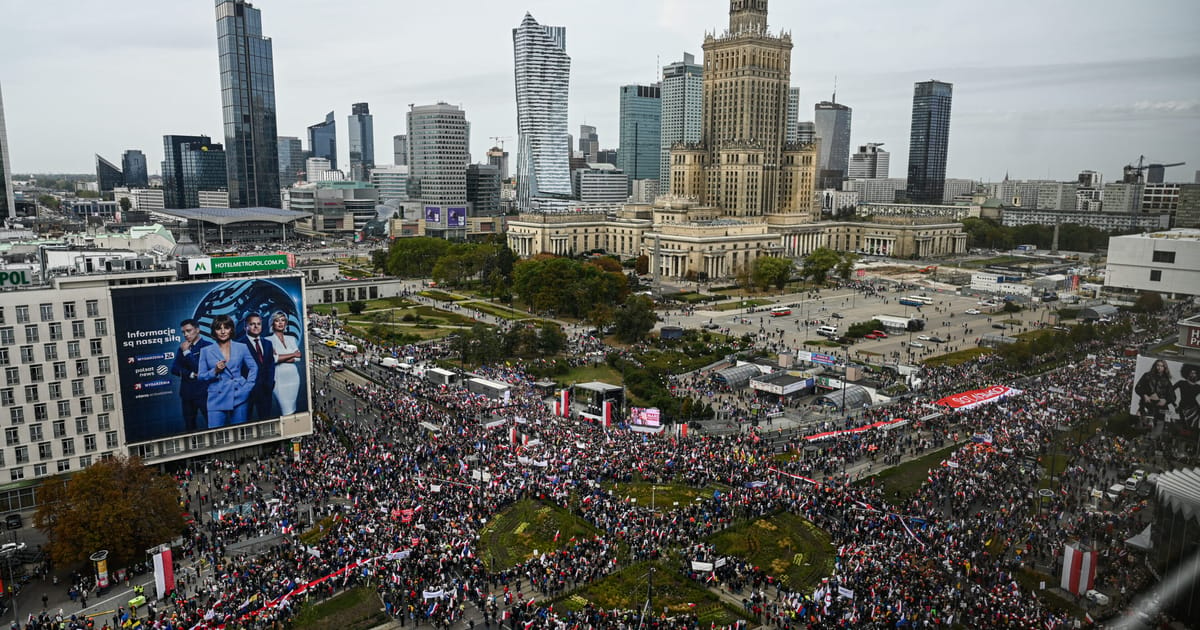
(212, 199)
(336, 208)
(8, 206)
(1017, 193)
(248, 106)
(362, 141)
(793, 116)
(643, 190)
(1060, 196)
(145, 199)
(1188, 213)
(1104, 221)
(600, 183)
(1167, 262)
(741, 164)
(682, 106)
(499, 158)
(833, 128)
(875, 190)
(640, 151)
(400, 150)
(542, 73)
(439, 151)
(869, 162)
(929, 140)
(953, 189)
(392, 183)
(1122, 198)
(950, 213)
(317, 169)
(1160, 197)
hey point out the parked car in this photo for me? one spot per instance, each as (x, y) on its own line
(916, 344)
(973, 311)
(924, 337)
(880, 334)
(871, 336)
(711, 326)
(838, 316)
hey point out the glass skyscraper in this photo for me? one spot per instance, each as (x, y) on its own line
(322, 140)
(640, 152)
(682, 101)
(543, 72)
(108, 176)
(362, 142)
(832, 121)
(8, 206)
(248, 106)
(191, 164)
(291, 160)
(928, 141)
(133, 164)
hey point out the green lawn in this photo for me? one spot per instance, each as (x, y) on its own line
(527, 527)
(784, 545)
(822, 343)
(956, 358)
(736, 304)
(356, 609)
(665, 496)
(626, 590)
(364, 330)
(589, 373)
(498, 310)
(440, 295)
(343, 308)
(998, 260)
(908, 477)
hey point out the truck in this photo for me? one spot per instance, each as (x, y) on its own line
(904, 324)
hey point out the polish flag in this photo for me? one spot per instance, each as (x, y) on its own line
(164, 573)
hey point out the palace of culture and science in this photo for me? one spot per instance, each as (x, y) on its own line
(742, 191)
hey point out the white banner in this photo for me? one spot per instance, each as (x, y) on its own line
(701, 566)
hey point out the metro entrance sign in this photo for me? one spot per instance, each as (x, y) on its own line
(237, 264)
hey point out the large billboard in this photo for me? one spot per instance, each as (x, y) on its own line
(205, 355)
(456, 217)
(1166, 391)
(433, 214)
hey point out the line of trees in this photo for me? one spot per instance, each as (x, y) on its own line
(988, 234)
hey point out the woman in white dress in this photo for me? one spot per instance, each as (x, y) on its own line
(287, 374)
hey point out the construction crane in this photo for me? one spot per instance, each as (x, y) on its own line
(1143, 172)
(499, 140)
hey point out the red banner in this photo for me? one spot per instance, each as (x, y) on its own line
(966, 400)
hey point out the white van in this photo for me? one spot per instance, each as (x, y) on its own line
(389, 362)
(828, 331)
(348, 348)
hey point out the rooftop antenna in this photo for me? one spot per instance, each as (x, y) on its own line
(835, 88)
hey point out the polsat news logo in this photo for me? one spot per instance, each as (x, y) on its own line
(151, 385)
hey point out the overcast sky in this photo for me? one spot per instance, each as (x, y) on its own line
(1041, 88)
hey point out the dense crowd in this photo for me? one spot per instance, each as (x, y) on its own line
(402, 495)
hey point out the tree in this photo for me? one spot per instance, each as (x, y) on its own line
(1148, 302)
(379, 259)
(845, 266)
(115, 504)
(415, 257)
(769, 270)
(125, 204)
(50, 201)
(635, 319)
(642, 265)
(819, 263)
(357, 307)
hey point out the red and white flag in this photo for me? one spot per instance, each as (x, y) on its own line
(564, 403)
(608, 413)
(1079, 568)
(164, 573)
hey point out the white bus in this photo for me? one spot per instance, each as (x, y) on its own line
(923, 299)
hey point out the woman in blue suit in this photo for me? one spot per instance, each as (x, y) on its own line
(230, 372)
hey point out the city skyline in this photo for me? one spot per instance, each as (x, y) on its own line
(1031, 99)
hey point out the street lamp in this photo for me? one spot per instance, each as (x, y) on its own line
(8, 553)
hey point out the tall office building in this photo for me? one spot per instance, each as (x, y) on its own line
(682, 105)
(640, 152)
(8, 206)
(133, 165)
(870, 162)
(483, 189)
(248, 105)
(108, 176)
(191, 164)
(499, 158)
(929, 141)
(400, 150)
(362, 142)
(833, 128)
(589, 142)
(322, 140)
(542, 82)
(806, 131)
(793, 115)
(291, 160)
(438, 149)
(741, 165)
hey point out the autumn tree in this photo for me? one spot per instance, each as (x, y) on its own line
(115, 504)
(635, 319)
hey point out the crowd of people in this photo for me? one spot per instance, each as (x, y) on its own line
(401, 507)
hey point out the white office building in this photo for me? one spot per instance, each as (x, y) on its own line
(601, 183)
(875, 190)
(148, 199)
(213, 198)
(542, 83)
(1122, 197)
(392, 182)
(1167, 261)
(438, 153)
(869, 162)
(682, 100)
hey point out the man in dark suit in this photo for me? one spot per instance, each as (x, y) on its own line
(193, 393)
(262, 397)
